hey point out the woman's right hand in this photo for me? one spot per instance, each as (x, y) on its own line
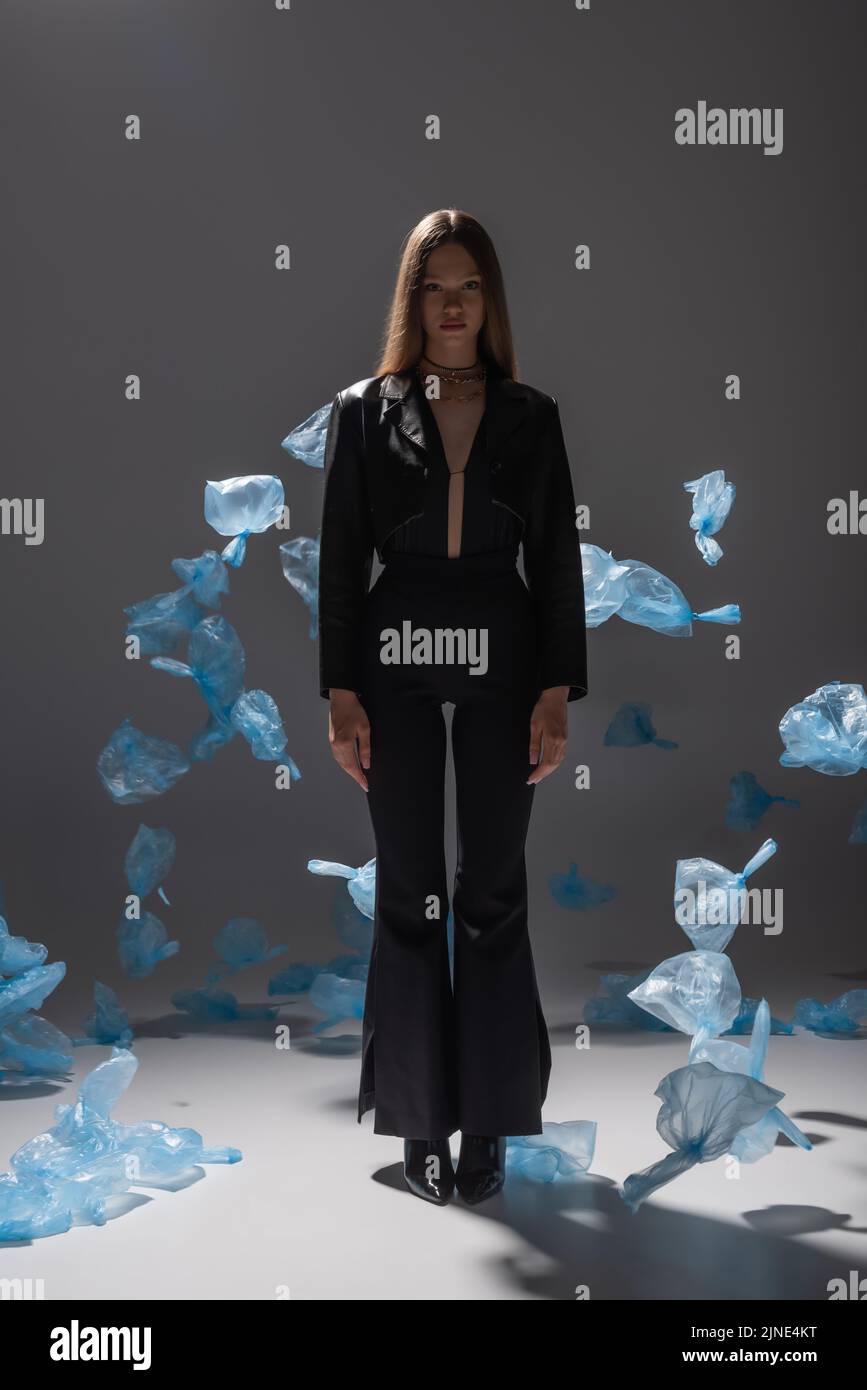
(347, 722)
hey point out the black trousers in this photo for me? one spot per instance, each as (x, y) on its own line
(472, 1054)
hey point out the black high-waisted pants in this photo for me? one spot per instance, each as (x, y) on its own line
(475, 1057)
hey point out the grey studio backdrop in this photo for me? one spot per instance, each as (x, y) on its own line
(306, 127)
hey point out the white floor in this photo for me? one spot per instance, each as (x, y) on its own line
(318, 1209)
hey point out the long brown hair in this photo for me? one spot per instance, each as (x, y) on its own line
(404, 336)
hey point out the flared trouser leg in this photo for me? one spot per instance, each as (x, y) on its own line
(408, 1033)
(503, 1048)
(476, 1057)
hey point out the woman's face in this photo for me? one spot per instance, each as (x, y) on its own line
(451, 292)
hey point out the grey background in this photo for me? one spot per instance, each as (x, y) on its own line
(156, 258)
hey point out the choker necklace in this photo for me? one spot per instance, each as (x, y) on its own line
(449, 374)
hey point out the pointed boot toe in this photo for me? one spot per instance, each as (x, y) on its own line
(428, 1170)
(481, 1167)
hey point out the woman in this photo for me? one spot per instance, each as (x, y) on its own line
(444, 464)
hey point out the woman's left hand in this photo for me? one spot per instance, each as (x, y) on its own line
(549, 729)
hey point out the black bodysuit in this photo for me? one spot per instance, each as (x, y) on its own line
(485, 526)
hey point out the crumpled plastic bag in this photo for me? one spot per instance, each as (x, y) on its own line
(563, 1151)
(68, 1173)
(241, 507)
(31, 1046)
(299, 559)
(712, 499)
(17, 953)
(604, 584)
(758, 1139)
(256, 716)
(709, 899)
(843, 1015)
(307, 441)
(134, 767)
(703, 1109)
(827, 731)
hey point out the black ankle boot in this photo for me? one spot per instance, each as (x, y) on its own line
(427, 1168)
(481, 1167)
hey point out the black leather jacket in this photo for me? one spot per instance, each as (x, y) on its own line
(376, 461)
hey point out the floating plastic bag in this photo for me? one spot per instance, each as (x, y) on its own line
(215, 661)
(205, 577)
(142, 943)
(361, 885)
(160, 622)
(632, 726)
(256, 716)
(241, 507)
(656, 602)
(604, 584)
(300, 561)
(611, 1005)
(109, 1022)
(696, 992)
(149, 860)
(710, 901)
(758, 1139)
(134, 766)
(338, 997)
(748, 802)
(241, 943)
(307, 441)
(857, 835)
(827, 731)
(702, 1111)
(712, 498)
(579, 894)
(746, 1018)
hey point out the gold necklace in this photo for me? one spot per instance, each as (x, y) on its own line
(449, 374)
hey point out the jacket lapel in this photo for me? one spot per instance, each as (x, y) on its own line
(505, 409)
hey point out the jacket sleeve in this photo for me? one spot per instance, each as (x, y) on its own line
(552, 565)
(345, 553)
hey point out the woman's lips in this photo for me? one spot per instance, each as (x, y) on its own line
(453, 324)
